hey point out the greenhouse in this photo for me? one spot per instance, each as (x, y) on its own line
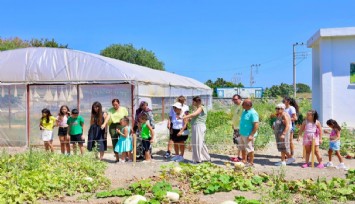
(37, 78)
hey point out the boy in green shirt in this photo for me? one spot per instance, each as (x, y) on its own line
(75, 130)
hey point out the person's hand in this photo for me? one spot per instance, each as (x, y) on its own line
(168, 126)
(68, 137)
(103, 126)
(118, 131)
(251, 138)
(82, 137)
(151, 140)
(179, 134)
(282, 136)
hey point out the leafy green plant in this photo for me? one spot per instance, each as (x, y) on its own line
(34, 175)
(119, 192)
(243, 200)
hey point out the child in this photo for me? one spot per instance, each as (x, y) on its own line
(75, 130)
(179, 132)
(334, 144)
(147, 135)
(62, 119)
(312, 129)
(46, 125)
(124, 144)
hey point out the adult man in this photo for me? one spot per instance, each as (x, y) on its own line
(249, 124)
(236, 111)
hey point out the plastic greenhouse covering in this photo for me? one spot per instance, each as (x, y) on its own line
(37, 78)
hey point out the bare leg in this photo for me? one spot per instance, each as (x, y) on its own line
(46, 145)
(339, 156)
(67, 144)
(292, 146)
(317, 153)
(244, 156)
(117, 156)
(170, 145)
(62, 144)
(81, 146)
(51, 145)
(182, 148)
(147, 155)
(251, 157)
(74, 149)
(308, 152)
(330, 152)
(176, 148)
(283, 154)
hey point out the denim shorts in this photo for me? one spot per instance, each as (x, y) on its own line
(334, 145)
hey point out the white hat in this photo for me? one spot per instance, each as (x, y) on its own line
(177, 105)
(281, 105)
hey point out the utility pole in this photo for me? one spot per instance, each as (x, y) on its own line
(294, 67)
(251, 73)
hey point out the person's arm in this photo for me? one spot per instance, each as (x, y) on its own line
(125, 132)
(286, 122)
(106, 117)
(151, 119)
(255, 128)
(301, 129)
(194, 114)
(151, 133)
(320, 132)
(294, 117)
(186, 121)
(338, 135)
(82, 126)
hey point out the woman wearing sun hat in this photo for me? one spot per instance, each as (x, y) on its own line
(282, 127)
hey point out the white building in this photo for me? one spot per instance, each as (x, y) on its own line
(333, 91)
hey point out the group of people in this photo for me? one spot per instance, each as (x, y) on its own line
(71, 125)
(245, 124)
(115, 121)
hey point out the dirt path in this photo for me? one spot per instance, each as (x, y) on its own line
(122, 174)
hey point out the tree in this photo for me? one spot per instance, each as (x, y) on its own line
(279, 90)
(130, 54)
(303, 88)
(14, 43)
(219, 83)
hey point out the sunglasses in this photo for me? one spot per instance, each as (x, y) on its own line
(278, 108)
(235, 99)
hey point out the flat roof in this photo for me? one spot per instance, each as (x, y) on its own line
(331, 32)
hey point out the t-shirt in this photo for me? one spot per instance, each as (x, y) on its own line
(200, 118)
(145, 132)
(116, 116)
(236, 112)
(62, 121)
(290, 110)
(76, 125)
(50, 124)
(249, 117)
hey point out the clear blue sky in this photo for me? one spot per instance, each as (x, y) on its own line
(201, 39)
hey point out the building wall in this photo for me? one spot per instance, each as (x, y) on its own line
(337, 95)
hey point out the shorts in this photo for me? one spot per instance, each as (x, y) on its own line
(245, 144)
(146, 144)
(76, 139)
(293, 127)
(62, 131)
(236, 134)
(47, 135)
(307, 139)
(334, 145)
(175, 138)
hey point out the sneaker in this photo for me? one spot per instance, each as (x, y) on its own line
(167, 155)
(290, 160)
(176, 157)
(282, 163)
(341, 166)
(320, 166)
(305, 165)
(329, 164)
(180, 159)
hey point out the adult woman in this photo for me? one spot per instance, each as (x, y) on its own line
(115, 114)
(282, 134)
(96, 136)
(198, 122)
(292, 109)
(144, 109)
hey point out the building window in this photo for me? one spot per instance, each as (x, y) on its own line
(352, 73)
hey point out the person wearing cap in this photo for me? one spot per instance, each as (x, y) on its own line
(185, 109)
(282, 129)
(179, 132)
